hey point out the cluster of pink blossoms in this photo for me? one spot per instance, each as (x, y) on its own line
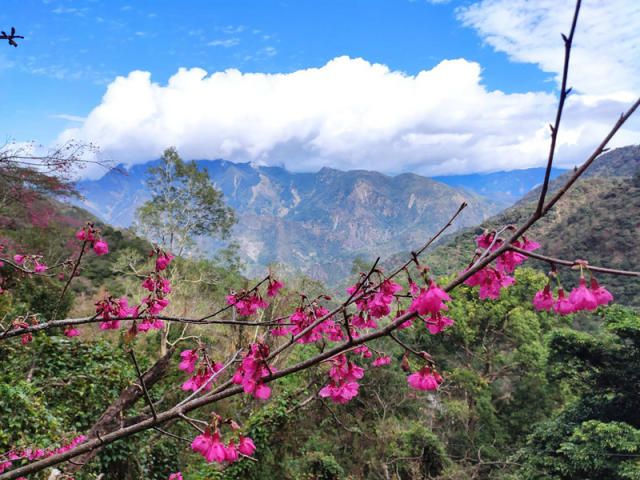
(252, 370)
(344, 376)
(373, 305)
(493, 279)
(247, 304)
(35, 454)
(176, 476)
(210, 445)
(111, 310)
(430, 301)
(91, 235)
(425, 379)
(31, 263)
(580, 298)
(203, 374)
(303, 317)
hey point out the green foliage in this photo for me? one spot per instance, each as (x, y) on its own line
(597, 435)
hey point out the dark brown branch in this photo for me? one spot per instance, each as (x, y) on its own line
(568, 41)
(568, 263)
(143, 385)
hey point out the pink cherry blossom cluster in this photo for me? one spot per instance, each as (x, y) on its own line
(248, 303)
(202, 376)
(425, 379)
(303, 317)
(343, 384)
(112, 310)
(21, 322)
(492, 280)
(431, 302)
(31, 454)
(580, 298)
(176, 476)
(211, 446)
(252, 370)
(373, 304)
(31, 263)
(274, 287)
(92, 235)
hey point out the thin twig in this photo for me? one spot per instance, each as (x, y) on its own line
(142, 384)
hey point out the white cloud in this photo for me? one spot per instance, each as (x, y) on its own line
(347, 114)
(69, 118)
(606, 46)
(226, 42)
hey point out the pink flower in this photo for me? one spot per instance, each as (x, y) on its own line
(424, 379)
(583, 298)
(210, 447)
(231, 452)
(18, 259)
(485, 239)
(100, 247)
(563, 305)
(246, 446)
(380, 361)
(363, 351)
(601, 294)
(40, 267)
(216, 451)
(274, 287)
(26, 338)
(156, 305)
(165, 285)
(246, 304)
(201, 443)
(189, 360)
(430, 300)
(491, 281)
(124, 310)
(163, 261)
(365, 321)
(176, 476)
(81, 235)
(543, 300)
(343, 385)
(437, 323)
(149, 284)
(340, 392)
(71, 332)
(252, 370)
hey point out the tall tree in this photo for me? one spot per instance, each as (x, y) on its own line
(184, 205)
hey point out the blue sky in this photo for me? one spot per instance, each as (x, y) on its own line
(74, 50)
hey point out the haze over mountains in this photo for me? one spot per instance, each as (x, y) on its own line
(319, 222)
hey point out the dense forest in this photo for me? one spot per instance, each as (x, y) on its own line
(526, 393)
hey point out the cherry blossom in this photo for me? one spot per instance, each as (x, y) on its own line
(424, 379)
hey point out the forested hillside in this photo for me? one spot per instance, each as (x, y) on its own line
(597, 220)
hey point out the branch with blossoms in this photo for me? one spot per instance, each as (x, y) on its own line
(375, 308)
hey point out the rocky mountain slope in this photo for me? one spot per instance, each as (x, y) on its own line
(598, 220)
(313, 222)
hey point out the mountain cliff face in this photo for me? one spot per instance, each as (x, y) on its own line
(313, 222)
(598, 220)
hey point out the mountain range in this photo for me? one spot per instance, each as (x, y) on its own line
(317, 223)
(598, 220)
